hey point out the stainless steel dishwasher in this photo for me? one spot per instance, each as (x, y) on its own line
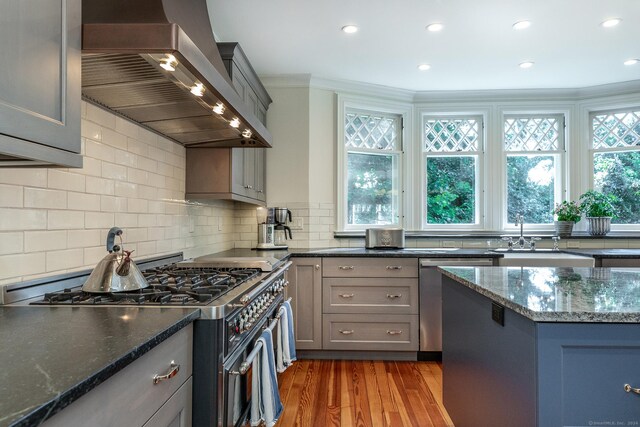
(431, 301)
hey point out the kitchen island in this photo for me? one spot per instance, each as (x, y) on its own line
(541, 346)
(51, 357)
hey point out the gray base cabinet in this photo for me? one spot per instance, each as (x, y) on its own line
(130, 398)
(305, 290)
(528, 373)
(40, 82)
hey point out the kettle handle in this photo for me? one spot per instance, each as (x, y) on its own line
(111, 239)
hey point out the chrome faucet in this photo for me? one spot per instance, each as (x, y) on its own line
(520, 222)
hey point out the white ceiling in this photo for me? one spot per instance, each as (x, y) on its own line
(477, 49)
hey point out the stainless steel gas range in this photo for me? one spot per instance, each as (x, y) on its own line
(237, 297)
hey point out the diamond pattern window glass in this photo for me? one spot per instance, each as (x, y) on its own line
(616, 130)
(371, 131)
(451, 134)
(533, 133)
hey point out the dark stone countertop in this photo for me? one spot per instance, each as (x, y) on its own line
(606, 253)
(396, 253)
(51, 356)
(558, 294)
(279, 254)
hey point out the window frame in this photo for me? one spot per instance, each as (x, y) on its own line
(365, 105)
(592, 151)
(479, 173)
(560, 164)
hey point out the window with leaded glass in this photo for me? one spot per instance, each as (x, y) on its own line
(373, 148)
(452, 148)
(615, 141)
(533, 146)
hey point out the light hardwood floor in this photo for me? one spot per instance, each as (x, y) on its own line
(362, 393)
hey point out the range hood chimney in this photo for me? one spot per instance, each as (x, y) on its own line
(156, 62)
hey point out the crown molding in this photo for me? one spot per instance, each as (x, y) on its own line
(426, 97)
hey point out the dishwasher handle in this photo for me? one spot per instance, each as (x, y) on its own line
(443, 262)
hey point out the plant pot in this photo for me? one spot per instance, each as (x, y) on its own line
(599, 225)
(563, 228)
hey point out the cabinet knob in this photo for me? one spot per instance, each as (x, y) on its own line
(394, 267)
(346, 295)
(175, 368)
(317, 266)
(346, 331)
(630, 389)
(346, 267)
(394, 332)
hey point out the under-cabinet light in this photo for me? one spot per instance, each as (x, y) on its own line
(631, 61)
(611, 22)
(435, 27)
(521, 25)
(218, 108)
(350, 29)
(246, 133)
(526, 64)
(424, 67)
(197, 89)
(169, 63)
(235, 123)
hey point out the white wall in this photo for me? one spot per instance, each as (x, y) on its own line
(56, 220)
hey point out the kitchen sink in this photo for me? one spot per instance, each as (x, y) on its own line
(543, 258)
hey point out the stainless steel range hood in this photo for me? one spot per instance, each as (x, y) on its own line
(149, 59)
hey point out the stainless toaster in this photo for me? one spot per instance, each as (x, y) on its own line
(384, 238)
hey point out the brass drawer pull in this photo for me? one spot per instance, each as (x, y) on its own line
(392, 296)
(175, 368)
(346, 295)
(346, 332)
(630, 389)
(346, 267)
(394, 267)
(394, 332)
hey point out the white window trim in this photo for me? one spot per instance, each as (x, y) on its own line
(404, 170)
(480, 186)
(500, 155)
(591, 152)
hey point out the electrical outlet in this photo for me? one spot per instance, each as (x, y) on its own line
(219, 224)
(297, 224)
(192, 224)
(573, 244)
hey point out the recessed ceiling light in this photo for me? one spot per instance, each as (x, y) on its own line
(424, 67)
(526, 64)
(350, 29)
(631, 61)
(435, 27)
(521, 25)
(611, 22)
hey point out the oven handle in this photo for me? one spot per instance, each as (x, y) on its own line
(244, 366)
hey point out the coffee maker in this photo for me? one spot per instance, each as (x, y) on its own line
(267, 230)
(281, 229)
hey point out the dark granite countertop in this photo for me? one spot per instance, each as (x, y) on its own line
(558, 294)
(281, 255)
(397, 253)
(51, 356)
(606, 253)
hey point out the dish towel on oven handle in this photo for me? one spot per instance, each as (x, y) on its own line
(286, 348)
(265, 397)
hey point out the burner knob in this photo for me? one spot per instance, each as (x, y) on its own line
(247, 326)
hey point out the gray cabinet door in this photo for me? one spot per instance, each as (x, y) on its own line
(176, 412)
(305, 289)
(260, 173)
(249, 172)
(238, 178)
(40, 80)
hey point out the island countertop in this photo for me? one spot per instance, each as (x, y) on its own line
(558, 294)
(51, 356)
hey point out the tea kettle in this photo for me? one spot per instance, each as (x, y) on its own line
(116, 272)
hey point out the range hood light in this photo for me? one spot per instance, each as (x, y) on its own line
(169, 63)
(197, 89)
(219, 108)
(235, 123)
(246, 133)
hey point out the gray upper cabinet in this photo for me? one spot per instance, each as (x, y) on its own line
(40, 82)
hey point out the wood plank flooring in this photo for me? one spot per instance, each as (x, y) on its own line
(323, 393)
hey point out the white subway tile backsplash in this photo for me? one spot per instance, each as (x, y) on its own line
(11, 196)
(83, 238)
(102, 220)
(138, 206)
(63, 260)
(147, 164)
(113, 204)
(91, 130)
(114, 171)
(125, 158)
(65, 220)
(83, 201)
(44, 198)
(41, 241)
(137, 147)
(126, 189)
(27, 176)
(126, 220)
(22, 219)
(114, 139)
(63, 180)
(90, 166)
(99, 115)
(14, 266)
(11, 243)
(127, 128)
(101, 151)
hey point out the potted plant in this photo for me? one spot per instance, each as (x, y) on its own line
(568, 213)
(599, 210)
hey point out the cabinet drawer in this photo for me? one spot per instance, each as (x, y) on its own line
(365, 332)
(130, 398)
(370, 267)
(363, 295)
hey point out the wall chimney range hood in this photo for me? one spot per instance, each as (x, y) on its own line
(156, 62)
